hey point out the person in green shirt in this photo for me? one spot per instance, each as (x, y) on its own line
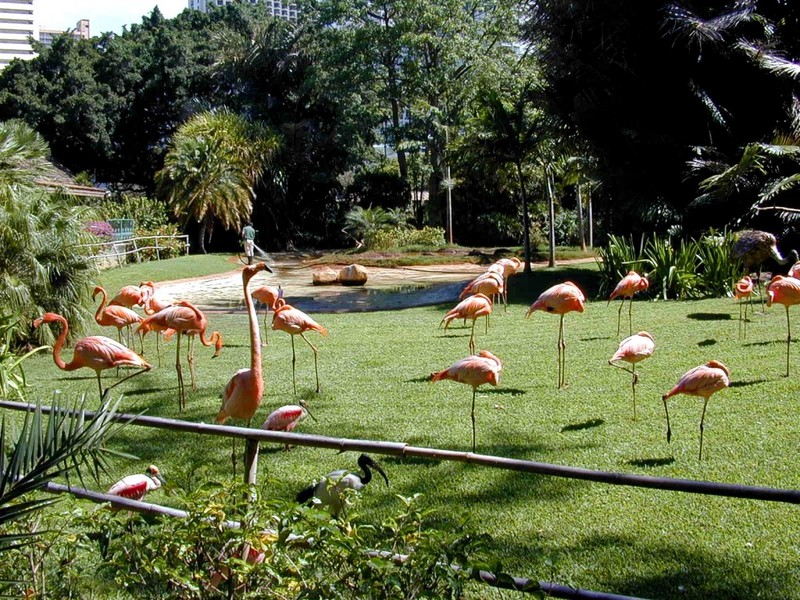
(249, 237)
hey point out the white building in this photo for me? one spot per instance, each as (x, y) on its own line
(80, 32)
(17, 25)
(278, 8)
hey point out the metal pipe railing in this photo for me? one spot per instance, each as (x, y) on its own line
(403, 449)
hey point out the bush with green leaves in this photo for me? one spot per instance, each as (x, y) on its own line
(302, 551)
(149, 213)
(399, 237)
(12, 376)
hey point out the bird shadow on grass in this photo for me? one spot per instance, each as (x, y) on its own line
(590, 424)
(768, 342)
(502, 391)
(423, 379)
(702, 316)
(225, 346)
(597, 338)
(740, 383)
(650, 462)
(705, 343)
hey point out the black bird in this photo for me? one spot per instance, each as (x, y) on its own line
(329, 490)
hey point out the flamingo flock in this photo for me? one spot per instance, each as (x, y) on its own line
(242, 396)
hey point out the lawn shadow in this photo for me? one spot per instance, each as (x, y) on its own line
(736, 384)
(501, 390)
(650, 462)
(597, 338)
(590, 424)
(705, 343)
(701, 316)
(423, 379)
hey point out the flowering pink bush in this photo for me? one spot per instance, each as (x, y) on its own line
(101, 229)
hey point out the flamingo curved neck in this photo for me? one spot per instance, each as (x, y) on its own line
(104, 298)
(62, 337)
(255, 334)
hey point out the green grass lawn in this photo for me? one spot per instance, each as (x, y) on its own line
(374, 370)
(195, 265)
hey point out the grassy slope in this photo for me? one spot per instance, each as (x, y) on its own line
(374, 369)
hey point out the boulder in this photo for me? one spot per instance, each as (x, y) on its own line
(353, 275)
(324, 276)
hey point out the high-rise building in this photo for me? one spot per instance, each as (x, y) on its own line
(81, 32)
(16, 27)
(278, 8)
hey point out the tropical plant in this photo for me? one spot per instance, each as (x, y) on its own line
(61, 444)
(616, 258)
(361, 223)
(213, 161)
(42, 264)
(718, 267)
(12, 376)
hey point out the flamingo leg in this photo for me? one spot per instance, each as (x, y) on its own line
(294, 363)
(788, 338)
(316, 370)
(740, 318)
(702, 419)
(181, 400)
(504, 295)
(630, 315)
(562, 355)
(99, 385)
(619, 315)
(634, 381)
(158, 348)
(191, 363)
(266, 313)
(746, 305)
(669, 430)
(472, 338)
(474, 390)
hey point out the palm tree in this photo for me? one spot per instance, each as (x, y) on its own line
(212, 163)
(42, 266)
(514, 132)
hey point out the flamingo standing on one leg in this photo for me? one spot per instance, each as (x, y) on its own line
(295, 322)
(268, 295)
(786, 291)
(701, 381)
(287, 417)
(474, 370)
(242, 395)
(472, 307)
(95, 352)
(626, 288)
(632, 350)
(115, 316)
(742, 292)
(560, 299)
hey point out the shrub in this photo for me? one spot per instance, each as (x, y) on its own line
(101, 229)
(168, 247)
(396, 237)
(305, 553)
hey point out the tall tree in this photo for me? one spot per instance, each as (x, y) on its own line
(212, 163)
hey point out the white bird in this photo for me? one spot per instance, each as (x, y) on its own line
(331, 489)
(134, 487)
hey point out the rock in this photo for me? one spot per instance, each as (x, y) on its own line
(324, 276)
(353, 275)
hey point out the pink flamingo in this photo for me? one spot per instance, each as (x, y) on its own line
(701, 381)
(786, 291)
(134, 487)
(267, 295)
(183, 318)
(287, 417)
(115, 316)
(559, 300)
(471, 307)
(488, 284)
(474, 370)
(242, 395)
(131, 295)
(295, 322)
(510, 267)
(95, 352)
(632, 350)
(626, 288)
(742, 291)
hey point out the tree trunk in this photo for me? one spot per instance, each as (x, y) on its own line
(581, 232)
(526, 226)
(551, 261)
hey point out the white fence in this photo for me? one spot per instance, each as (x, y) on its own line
(115, 254)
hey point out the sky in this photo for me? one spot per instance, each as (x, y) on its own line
(103, 15)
